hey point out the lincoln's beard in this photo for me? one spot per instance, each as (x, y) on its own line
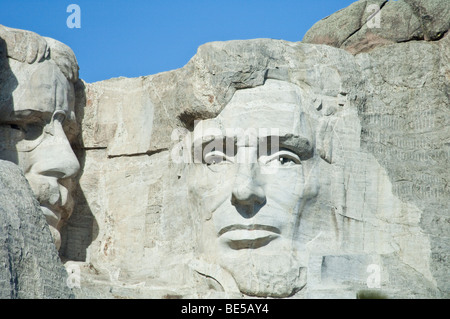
(263, 272)
(275, 270)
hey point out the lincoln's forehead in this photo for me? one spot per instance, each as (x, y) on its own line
(276, 108)
(273, 93)
(274, 105)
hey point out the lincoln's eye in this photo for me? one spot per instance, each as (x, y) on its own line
(215, 157)
(15, 126)
(286, 160)
(283, 158)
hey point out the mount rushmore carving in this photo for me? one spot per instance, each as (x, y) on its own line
(262, 168)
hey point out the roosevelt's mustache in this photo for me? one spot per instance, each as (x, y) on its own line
(54, 196)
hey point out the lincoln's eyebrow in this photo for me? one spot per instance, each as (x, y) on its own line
(300, 145)
(204, 139)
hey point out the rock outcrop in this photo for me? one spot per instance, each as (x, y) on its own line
(367, 24)
(30, 265)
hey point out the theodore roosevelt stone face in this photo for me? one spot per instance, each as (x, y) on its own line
(34, 131)
(252, 177)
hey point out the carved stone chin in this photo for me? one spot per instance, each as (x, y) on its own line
(267, 274)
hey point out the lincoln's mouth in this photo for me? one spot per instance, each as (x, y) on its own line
(252, 236)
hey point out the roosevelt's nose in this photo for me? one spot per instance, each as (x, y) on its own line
(55, 156)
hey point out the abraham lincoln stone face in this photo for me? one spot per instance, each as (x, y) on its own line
(253, 175)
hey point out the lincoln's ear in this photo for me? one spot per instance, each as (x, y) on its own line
(330, 108)
(324, 139)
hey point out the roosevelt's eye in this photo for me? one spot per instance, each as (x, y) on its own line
(15, 127)
(18, 133)
(282, 158)
(216, 157)
(28, 131)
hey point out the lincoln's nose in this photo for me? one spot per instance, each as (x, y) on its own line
(247, 192)
(246, 189)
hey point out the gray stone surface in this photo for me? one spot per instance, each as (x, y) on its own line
(405, 118)
(24, 46)
(405, 124)
(29, 263)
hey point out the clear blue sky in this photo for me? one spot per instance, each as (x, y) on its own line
(141, 37)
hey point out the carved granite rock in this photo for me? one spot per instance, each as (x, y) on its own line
(266, 168)
(405, 118)
(37, 77)
(37, 120)
(30, 265)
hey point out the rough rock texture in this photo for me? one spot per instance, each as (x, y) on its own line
(408, 133)
(23, 45)
(367, 24)
(405, 119)
(30, 265)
